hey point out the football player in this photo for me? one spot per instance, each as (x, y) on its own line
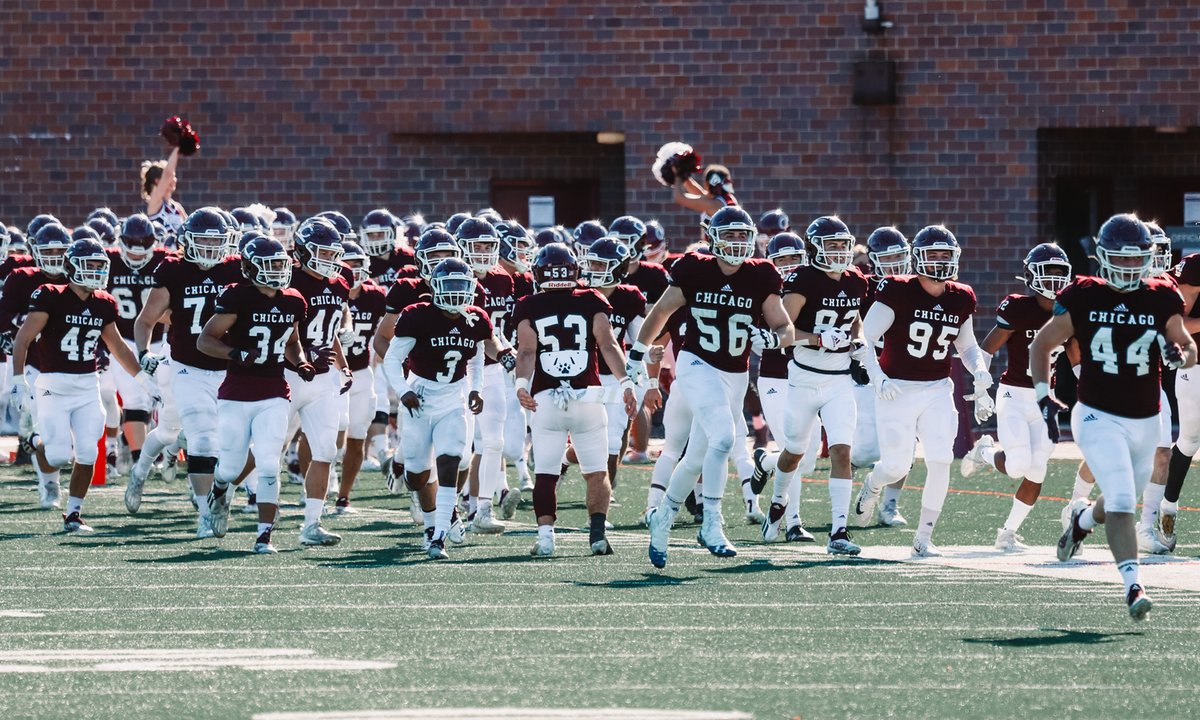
(1124, 323)
(919, 317)
(256, 328)
(1024, 447)
(481, 250)
(380, 239)
(366, 308)
(823, 300)
(67, 323)
(1187, 397)
(314, 401)
(562, 330)
(185, 290)
(724, 292)
(440, 338)
(517, 252)
(283, 227)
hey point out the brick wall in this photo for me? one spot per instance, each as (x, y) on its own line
(307, 101)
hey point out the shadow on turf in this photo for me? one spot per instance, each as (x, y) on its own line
(648, 579)
(759, 566)
(1063, 637)
(215, 554)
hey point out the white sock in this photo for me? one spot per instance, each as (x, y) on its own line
(654, 498)
(747, 491)
(770, 461)
(1168, 507)
(1152, 498)
(545, 531)
(1129, 573)
(929, 519)
(1087, 519)
(313, 507)
(201, 504)
(891, 494)
(1017, 515)
(1082, 488)
(45, 477)
(74, 504)
(712, 505)
(473, 505)
(839, 502)
(783, 483)
(445, 508)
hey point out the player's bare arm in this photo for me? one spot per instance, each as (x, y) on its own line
(383, 336)
(526, 356)
(778, 320)
(656, 319)
(1052, 335)
(610, 350)
(120, 351)
(156, 307)
(1178, 334)
(34, 323)
(210, 342)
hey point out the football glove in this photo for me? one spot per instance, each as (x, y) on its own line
(19, 394)
(306, 371)
(347, 381)
(1172, 354)
(635, 364)
(7, 340)
(411, 402)
(763, 339)
(244, 357)
(834, 338)
(149, 361)
(887, 389)
(1050, 408)
(985, 407)
(347, 336)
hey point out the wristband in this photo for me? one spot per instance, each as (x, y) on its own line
(638, 351)
(1041, 390)
(652, 384)
(522, 384)
(626, 384)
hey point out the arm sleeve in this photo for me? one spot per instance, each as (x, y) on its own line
(635, 327)
(968, 348)
(475, 369)
(393, 363)
(879, 318)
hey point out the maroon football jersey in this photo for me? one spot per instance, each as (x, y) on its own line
(774, 364)
(385, 270)
(1187, 272)
(723, 307)
(192, 295)
(567, 354)
(68, 342)
(405, 292)
(1023, 316)
(12, 262)
(651, 278)
(1118, 336)
(325, 299)
(627, 303)
(18, 287)
(264, 325)
(827, 301)
(495, 294)
(365, 310)
(919, 344)
(131, 287)
(445, 343)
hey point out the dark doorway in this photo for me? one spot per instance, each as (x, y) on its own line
(573, 201)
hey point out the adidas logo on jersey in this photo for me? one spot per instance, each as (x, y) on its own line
(87, 312)
(726, 288)
(454, 331)
(1121, 308)
(45, 393)
(772, 391)
(697, 362)
(1008, 394)
(841, 293)
(325, 291)
(938, 307)
(181, 371)
(1089, 418)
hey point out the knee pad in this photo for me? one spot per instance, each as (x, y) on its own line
(267, 489)
(545, 495)
(142, 416)
(1036, 474)
(1017, 463)
(381, 418)
(201, 464)
(895, 467)
(59, 454)
(1123, 501)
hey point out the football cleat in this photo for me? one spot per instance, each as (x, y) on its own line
(133, 490)
(1166, 529)
(316, 535)
(644, 519)
(510, 500)
(889, 514)
(110, 461)
(840, 544)
(343, 507)
(602, 547)
(1073, 537)
(263, 546)
(414, 509)
(218, 511)
(694, 507)
(251, 505)
(485, 523)
(48, 495)
(758, 481)
(660, 520)
(395, 483)
(1064, 517)
(863, 509)
(1139, 603)
(634, 457)
(923, 547)
(74, 524)
(458, 531)
(1148, 542)
(437, 550)
(543, 547)
(524, 476)
(974, 457)
(427, 539)
(712, 537)
(797, 533)
(771, 523)
(1009, 541)
(754, 514)
(203, 528)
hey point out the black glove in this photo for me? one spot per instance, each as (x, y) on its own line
(306, 371)
(347, 381)
(319, 356)
(411, 402)
(858, 373)
(244, 357)
(1050, 409)
(507, 360)
(475, 402)
(1172, 355)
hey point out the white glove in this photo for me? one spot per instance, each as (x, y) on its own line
(985, 407)
(983, 381)
(886, 389)
(149, 362)
(347, 336)
(19, 394)
(762, 339)
(834, 338)
(143, 378)
(635, 364)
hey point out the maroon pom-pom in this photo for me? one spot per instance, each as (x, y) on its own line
(172, 130)
(687, 163)
(189, 141)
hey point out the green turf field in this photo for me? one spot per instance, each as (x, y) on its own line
(140, 620)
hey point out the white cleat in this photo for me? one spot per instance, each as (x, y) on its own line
(1065, 516)
(133, 490)
(602, 547)
(1009, 541)
(203, 528)
(1166, 528)
(889, 514)
(712, 536)
(316, 535)
(485, 523)
(263, 546)
(458, 531)
(773, 521)
(49, 495)
(841, 544)
(218, 512)
(73, 524)
(924, 548)
(437, 550)
(660, 520)
(526, 480)
(863, 509)
(754, 514)
(974, 457)
(251, 505)
(1148, 542)
(414, 509)
(543, 547)
(510, 500)
(644, 520)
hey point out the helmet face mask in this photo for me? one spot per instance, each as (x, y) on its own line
(786, 250)
(731, 235)
(87, 265)
(1125, 251)
(480, 244)
(935, 253)
(205, 237)
(49, 248)
(136, 241)
(1047, 270)
(266, 264)
(434, 246)
(606, 262)
(357, 261)
(453, 286)
(319, 247)
(378, 233)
